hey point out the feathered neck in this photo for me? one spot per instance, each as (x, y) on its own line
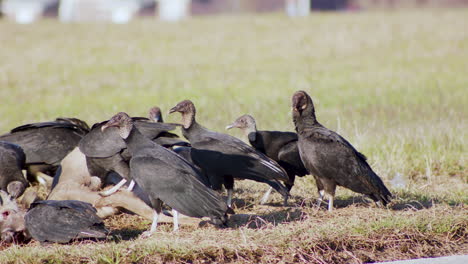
(135, 140)
(188, 119)
(125, 130)
(305, 119)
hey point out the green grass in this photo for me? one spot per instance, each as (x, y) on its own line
(393, 83)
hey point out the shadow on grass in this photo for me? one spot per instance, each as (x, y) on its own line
(126, 234)
(401, 201)
(256, 221)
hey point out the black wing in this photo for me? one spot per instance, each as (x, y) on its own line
(102, 144)
(227, 155)
(342, 162)
(47, 142)
(63, 221)
(167, 176)
(290, 159)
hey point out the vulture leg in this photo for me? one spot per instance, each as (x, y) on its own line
(131, 185)
(157, 208)
(148, 233)
(330, 203)
(175, 216)
(113, 189)
(320, 199)
(229, 198)
(266, 196)
(329, 190)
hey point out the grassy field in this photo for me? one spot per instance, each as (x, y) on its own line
(393, 83)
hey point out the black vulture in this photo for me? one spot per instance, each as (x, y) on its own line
(167, 177)
(331, 159)
(12, 162)
(106, 151)
(64, 221)
(225, 157)
(278, 145)
(46, 144)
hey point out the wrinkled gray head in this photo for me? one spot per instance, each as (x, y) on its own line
(122, 121)
(16, 188)
(188, 111)
(245, 122)
(155, 114)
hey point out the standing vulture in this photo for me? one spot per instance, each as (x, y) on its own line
(64, 221)
(331, 158)
(225, 157)
(12, 160)
(167, 177)
(277, 145)
(106, 151)
(47, 143)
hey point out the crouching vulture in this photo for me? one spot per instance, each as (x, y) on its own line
(331, 159)
(12, 162)
(47, 143)
(167, 177)
(225, 157)
(64, 221)
(278, 145)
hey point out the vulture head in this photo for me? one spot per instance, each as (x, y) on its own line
(302, 106)
(187, 109)
(16, 188)
(122, 121)
(246, 123)
(243, 122)
(155, 115)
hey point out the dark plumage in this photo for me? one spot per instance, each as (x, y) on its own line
(225, 157)
(106, 151)
(278, 145)
(12, 161)
(167, 177)
(64, 221)
(330, 158)
(46, 144)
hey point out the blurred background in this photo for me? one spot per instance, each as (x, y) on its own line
(122, 11)
(389, 75)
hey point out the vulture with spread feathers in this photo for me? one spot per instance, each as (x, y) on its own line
(278, 145)
(331, 159)
(224, 157)
(47, 143)
(167, 177)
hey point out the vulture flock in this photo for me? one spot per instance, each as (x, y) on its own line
(138, 164)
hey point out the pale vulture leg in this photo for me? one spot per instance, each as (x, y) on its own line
(131, 186)
(330, 202)
(113, 189)
(148, 233)
(320, 199)
(266, 196)
(175, 216)
(229, 198)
